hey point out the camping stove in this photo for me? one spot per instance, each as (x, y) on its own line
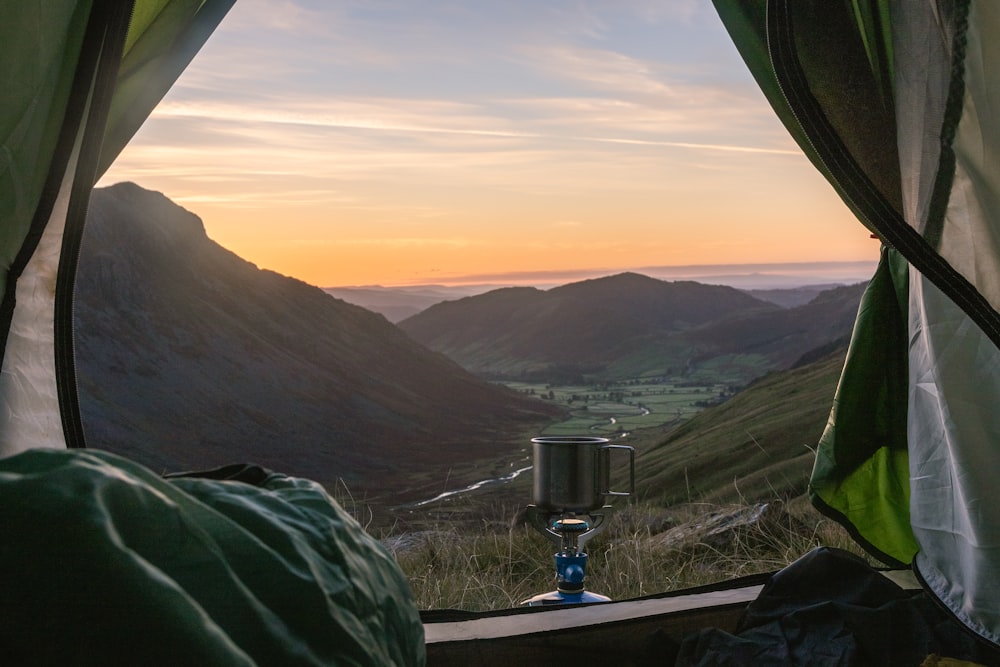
(571, 484)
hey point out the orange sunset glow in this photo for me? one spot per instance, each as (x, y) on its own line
(402, 143)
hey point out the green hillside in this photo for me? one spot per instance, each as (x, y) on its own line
(756, 445)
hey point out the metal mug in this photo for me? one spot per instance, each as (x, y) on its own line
(573, 473)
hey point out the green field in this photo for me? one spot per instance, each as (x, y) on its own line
(615, 408)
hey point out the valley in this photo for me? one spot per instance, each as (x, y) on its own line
(614, 409)
(755, 446)
(189, 357)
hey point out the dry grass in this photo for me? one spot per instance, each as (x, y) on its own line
(645, 550)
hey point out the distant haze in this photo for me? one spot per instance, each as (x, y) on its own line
(743, 276)
(785, 284)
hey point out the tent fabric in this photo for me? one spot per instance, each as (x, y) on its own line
(42, 145)
(30, 306)
(31, 414)
(954, 366)
(41, 47)
(78, 78)
(928, 63)
(815, 62)
(832, 103)
(953, 434)
(110, 564)
(861, 473)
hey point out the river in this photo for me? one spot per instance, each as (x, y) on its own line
(472, 487)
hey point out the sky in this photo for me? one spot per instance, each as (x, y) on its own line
(400, 142)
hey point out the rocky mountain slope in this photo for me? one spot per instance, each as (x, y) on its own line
(190, 357)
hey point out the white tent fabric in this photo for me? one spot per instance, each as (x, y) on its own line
(954, 433)
(30, 414)
(953, 424)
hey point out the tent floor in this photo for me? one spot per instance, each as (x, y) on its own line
(611, 633)
(829, 603)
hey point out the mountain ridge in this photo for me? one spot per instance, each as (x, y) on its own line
(626, 325)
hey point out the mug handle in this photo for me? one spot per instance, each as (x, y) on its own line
(606, 470)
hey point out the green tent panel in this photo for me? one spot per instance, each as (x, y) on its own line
(896, 102)
(861, 473)
(42, 43)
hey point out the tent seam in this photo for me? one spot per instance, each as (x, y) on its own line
(113, 18)
(940, 195)
(854, 185)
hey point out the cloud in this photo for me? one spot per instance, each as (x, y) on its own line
(746, 275)
(656, 12)
(245, 198)
(707, 127)
(380, 114)
(601, 69)
(696, 146)
(643, 93)
(264, 18)
(385, 242)
(579, 120)
(282, 78)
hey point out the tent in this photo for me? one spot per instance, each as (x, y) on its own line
(896, 103)
(893, 101)
(105, 561)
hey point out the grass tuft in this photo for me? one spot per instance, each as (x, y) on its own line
(646, 549)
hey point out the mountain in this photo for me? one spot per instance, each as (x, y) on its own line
(190, 357)
(782, 336)
(588, 324)
(627, 325)
(399, 303)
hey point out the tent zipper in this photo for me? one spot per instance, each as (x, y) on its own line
(107, 31)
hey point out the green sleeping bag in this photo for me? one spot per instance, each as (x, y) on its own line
(105, 562)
